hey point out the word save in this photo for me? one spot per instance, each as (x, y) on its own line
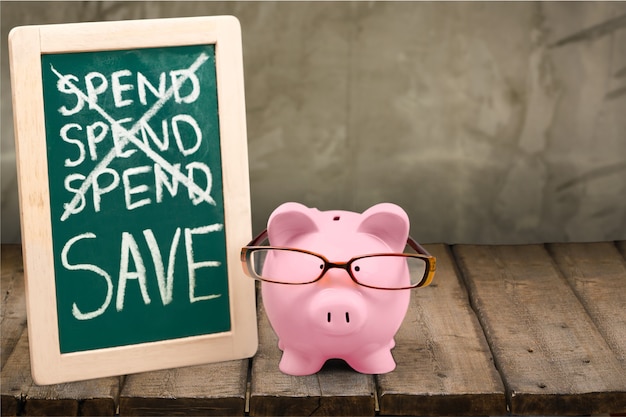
(165, 273)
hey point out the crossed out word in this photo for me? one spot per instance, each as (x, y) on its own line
(123, 136)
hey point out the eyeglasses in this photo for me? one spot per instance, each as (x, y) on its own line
(383, 271)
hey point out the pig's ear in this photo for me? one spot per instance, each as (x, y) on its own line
(289, 221)
(389, 223)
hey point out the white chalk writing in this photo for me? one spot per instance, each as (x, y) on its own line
(105, 138)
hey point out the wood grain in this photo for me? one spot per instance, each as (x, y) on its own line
(552, 357)
(13, 306)
(621, 246)
(142, 33)
(19, 393)
(334, 390)
(92, 397)
(444, 365)
(12, 318)
(597, 273)
(549, 321)
(217, 389)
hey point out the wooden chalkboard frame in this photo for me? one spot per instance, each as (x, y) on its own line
(26, 46)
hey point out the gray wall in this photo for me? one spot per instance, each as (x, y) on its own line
(488, 122)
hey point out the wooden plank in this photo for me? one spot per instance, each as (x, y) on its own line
(93, 397)
(552, 357)
(13, 317)
(216, 389)
(597, 273)
(13, 306)
(19, 393)
(335, 390)
(621, 246)
(444, 365)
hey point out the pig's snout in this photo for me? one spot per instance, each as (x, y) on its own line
(338, 312)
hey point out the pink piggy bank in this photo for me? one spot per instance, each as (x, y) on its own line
(336, 284)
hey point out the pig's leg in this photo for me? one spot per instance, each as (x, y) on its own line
(379, 361)
(295, 362)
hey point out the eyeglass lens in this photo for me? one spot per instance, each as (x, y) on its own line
(286, 266)
(389, 271)
(381, 271)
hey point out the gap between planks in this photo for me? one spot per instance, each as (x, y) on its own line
(511, 289)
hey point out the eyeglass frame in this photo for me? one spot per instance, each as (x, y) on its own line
(429, 273)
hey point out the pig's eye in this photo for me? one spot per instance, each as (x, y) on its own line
(321, 266)
(357, 268)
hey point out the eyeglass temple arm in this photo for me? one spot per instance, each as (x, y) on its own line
(418, 248)
(258, 239)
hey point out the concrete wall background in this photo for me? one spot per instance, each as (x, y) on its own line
(488, 122)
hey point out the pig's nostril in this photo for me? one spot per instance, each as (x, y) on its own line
(329, 317)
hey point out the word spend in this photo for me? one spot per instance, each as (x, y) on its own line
(101, 141)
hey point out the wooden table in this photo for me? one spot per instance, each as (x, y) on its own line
(522, 330)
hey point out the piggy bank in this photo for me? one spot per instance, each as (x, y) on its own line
(335, 317)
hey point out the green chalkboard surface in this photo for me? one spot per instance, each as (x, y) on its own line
(139, 253)
(132, 164)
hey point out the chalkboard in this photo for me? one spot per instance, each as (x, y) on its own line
(134, 195)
